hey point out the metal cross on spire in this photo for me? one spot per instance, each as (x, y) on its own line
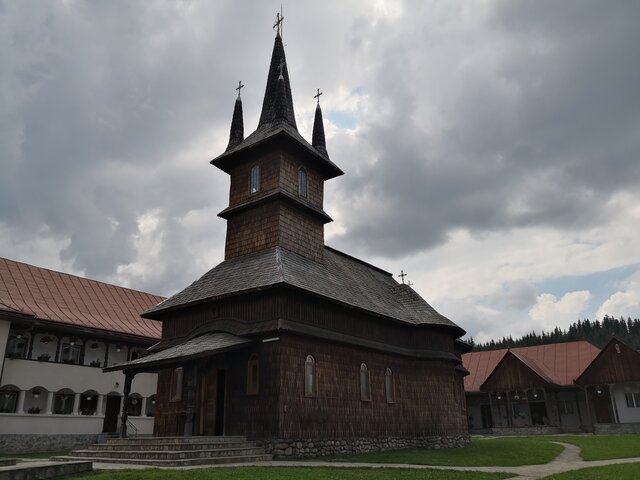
(239, 87)
(317, 95)
(279, 19)
(402, 275)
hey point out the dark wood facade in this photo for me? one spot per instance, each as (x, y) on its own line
(423, 361)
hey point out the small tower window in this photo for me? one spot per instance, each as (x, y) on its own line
(176, 385)
(254, 179)
(302, 183)
(253, 375)
(390, 386)
(365, 387)
(310, 379)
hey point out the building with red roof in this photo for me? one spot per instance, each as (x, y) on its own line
(560, 387)
(57, 332)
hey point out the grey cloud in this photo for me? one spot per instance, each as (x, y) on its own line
(538, 134)
(517, 295)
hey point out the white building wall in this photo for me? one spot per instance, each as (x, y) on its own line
(48, 378)
(625, 413)
(26, 374)
(13, 423)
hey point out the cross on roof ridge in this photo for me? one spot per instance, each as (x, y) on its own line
(277, 26)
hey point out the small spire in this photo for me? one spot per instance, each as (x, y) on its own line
(275, 100)
(317, 138)
(236, 134)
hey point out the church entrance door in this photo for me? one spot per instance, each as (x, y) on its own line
(111, 412)
(212, 401)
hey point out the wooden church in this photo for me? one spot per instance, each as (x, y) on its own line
(288, 341)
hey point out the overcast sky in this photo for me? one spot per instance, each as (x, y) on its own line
(490, 148)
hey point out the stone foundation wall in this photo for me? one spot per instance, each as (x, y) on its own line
(14, 443)
(616, 428)
(313, 448)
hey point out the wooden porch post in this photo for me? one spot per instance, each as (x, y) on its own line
(190, 391)
(509, 411)
(128, 378)
(490, 410)
(580, 419)
(586, 401)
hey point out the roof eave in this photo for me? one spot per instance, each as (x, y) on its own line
(225, 161)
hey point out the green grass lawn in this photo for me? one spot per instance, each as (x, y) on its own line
(499, 451)
(626, 471)
(289, 473)
(603, 447)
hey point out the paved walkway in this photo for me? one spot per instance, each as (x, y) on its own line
(569, 459)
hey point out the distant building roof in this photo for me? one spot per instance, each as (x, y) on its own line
(340, 278)
(71, 300)
(560, 363)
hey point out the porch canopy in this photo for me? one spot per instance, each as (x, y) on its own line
(202, 346)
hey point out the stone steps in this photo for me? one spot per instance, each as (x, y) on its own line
(182, 440)
(171, 451)
(170, 455)
(160, 446)
(171, 463)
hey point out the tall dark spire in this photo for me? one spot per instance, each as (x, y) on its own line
(277, 103)
(317, 138)
(236, 135)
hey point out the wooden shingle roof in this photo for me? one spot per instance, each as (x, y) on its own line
(559, 363)
(340, 278)
(71, 300)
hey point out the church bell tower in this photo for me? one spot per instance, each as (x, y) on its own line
(277, 177)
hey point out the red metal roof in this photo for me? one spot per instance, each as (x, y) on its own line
(67, 299)
(562, 362)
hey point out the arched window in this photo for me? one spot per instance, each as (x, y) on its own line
(88, 402)
(135, 405)
(176, 385)
(390, 386)
(302, 183)
(253, 375)
(8, 398)
(151, 406)
(365, 387)
(310, 378)
(254, 179)
(63, 402)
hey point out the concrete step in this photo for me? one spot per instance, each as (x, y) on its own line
(125, 455)
(196, 439)
(168, 446)
(44, 469)
(171, 463)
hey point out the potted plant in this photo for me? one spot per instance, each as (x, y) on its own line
(44, 357)
(95, 363)
(34, 410)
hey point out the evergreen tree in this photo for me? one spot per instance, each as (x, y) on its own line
(598, 333)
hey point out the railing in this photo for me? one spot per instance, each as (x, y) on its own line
(132, 430)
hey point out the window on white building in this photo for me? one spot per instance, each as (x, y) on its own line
(633, 399)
